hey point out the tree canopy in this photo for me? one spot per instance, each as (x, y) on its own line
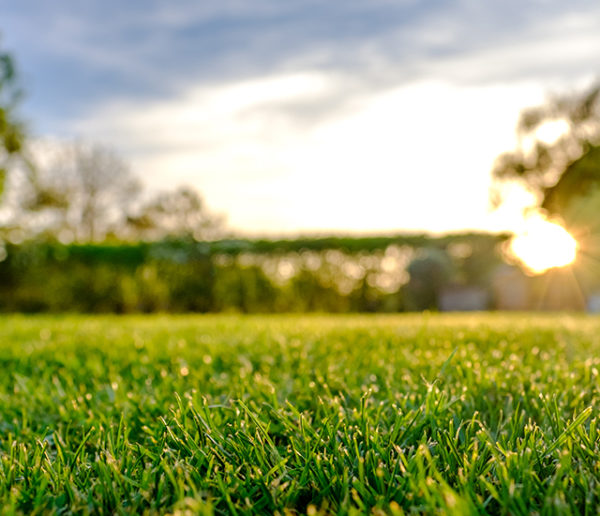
(11, 130)
(179, 213)
(558, 154)
(73, 191)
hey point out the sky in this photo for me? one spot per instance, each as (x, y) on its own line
(369, 116)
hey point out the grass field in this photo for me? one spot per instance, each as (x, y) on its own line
(300, 414)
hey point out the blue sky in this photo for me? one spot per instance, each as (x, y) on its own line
(303, 116)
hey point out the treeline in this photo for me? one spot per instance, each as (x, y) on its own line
(183, 275)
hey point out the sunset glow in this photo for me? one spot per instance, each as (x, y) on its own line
(543, 245)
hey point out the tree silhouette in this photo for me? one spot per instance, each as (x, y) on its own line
(80, 190)
(11, 130)
(178, 213)
(564, 171)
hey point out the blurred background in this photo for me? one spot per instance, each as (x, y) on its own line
(263, 156)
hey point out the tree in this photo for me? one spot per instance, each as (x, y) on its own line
(564, 171)
(429, 272)
(11, 131)
(179, 213)
(75, 191)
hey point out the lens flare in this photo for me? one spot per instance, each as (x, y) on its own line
(543, 245)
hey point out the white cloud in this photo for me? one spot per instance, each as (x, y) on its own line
(396, 131)
(412, 157)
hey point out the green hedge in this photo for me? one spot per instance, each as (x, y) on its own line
(306, 274)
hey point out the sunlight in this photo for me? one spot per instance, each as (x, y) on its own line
(543, 245)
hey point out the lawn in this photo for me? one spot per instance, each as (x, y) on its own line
(454, 414)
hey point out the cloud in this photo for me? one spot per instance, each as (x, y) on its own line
(76, 54)
(362, 114)
(384, 159)
(153, 47)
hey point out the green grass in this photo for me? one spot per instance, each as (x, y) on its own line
(311, 414)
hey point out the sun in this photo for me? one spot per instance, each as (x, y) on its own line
(543, 245)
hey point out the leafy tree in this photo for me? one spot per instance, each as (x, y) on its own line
(179, 213)
(430, 271)
(87, 193)
(564, 172)
(76, 190)
(11, 130)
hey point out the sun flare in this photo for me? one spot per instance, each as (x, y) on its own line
(543, 245)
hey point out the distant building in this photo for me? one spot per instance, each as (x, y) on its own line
(593, 303)
(510, 289)
(462, 298)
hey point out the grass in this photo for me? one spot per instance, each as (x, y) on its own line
(417, 414)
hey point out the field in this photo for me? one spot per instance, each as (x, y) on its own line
(452, 414)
